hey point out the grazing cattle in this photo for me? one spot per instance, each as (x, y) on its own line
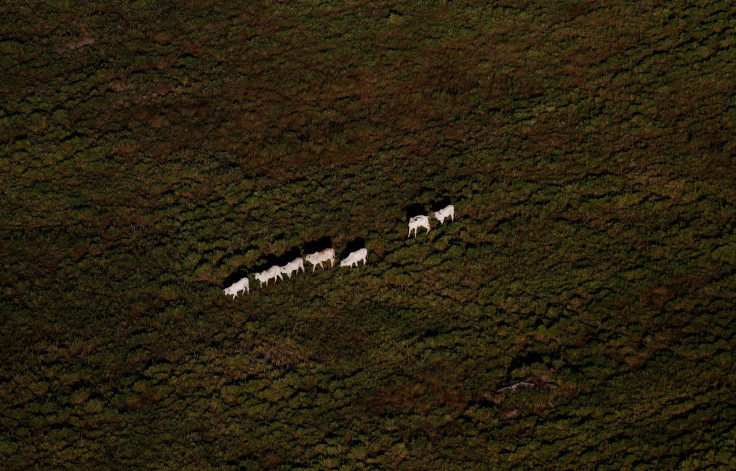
(318, 257)
(417, 222)
(267, 275)
(448, 210)
(293, 266)
(242, 285)
(354, 258)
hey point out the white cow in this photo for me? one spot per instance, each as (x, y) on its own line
(417, 222)
(292, 266)
(318, 257)
(448, 210)
(267, 275)
(241, 285)
(354, 258)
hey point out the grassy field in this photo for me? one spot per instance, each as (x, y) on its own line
(149, 153)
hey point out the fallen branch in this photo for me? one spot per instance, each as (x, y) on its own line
(75, 45)
(520, 384)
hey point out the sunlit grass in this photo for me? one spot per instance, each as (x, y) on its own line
(586, 151)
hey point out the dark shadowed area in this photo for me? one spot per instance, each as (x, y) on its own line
(352, 245)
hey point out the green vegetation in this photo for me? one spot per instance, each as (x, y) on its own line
(147, 152)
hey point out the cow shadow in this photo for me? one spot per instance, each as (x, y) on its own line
(526, 358)
(414, 209)
(267, 261)
(440, 203)
(290, 255)
(318, 245)
(264, 262)
(240, 272)
(353, 245)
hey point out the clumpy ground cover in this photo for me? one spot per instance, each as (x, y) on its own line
(148, 152)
